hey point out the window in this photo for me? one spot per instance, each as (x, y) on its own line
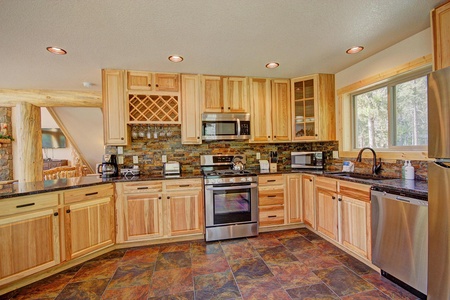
(392, 115)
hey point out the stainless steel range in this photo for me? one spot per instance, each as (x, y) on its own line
(231, 197)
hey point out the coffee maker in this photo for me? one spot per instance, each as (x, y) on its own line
(109, 168)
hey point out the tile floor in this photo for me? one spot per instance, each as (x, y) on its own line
(291, 264)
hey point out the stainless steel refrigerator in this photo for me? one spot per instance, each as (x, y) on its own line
(439, 185)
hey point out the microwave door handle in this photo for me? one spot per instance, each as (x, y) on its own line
(238, 127)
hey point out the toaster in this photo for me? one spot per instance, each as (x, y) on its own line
(171, 168)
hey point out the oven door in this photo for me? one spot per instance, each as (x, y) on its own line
(231, 204)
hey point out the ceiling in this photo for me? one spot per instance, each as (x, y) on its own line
(220, 37)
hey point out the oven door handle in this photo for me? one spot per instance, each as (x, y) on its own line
(237, 187)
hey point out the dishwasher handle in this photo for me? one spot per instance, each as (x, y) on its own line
(406, 200)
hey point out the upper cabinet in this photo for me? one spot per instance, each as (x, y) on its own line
(114, 107)
(270, 110)
(313, 108)
(146, 81)
(440, 22)
(224, 94)
(190, 109)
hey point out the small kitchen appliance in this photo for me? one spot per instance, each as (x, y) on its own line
(307, 160)
(109, 167)
(225, 126)
(231, 198)
(172, 168)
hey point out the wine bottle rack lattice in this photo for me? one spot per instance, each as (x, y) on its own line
(154, 108)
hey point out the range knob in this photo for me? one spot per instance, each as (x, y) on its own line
(232, 180)
(249, 179)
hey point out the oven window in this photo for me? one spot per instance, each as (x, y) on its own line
(232, 206)
(219, 128)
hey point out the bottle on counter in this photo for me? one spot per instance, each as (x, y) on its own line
(409, 171)
(403, 169)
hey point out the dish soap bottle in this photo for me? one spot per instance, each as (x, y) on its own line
(409, 171)
(403, 169)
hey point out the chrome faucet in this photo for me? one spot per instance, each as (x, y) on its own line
(376, 167)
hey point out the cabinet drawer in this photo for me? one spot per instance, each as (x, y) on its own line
(271, 197)
(271, 179)
(28, 203)
(88, 193)
(186, 184)
(142, 187)
(355, 190)
(271, 215)
(326, 183)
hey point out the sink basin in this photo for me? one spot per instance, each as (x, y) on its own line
(358, 176)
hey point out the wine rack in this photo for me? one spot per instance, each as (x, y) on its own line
(153, 109)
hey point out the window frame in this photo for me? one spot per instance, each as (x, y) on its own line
(344, 119)
(389, 84)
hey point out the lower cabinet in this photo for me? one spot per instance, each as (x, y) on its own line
(88, 219)
(29, 235)
(327, 207)
(294, 197)
(149, 210)
(308, 200)
(271, 200)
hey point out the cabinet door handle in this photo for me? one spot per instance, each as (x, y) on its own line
(143, 188)
(339, 199)
(221, 108)
(310, 180)
(55, 214)
(333, 197)
(274, 136)
(272, 216)
(184, 185)
(91, 194)
(229, 107)
(68, 211)
(168, 197)
(149, 85)
(159, 198)
(25, 205)
(268, 136)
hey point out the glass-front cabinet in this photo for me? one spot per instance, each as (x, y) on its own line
(313, 108)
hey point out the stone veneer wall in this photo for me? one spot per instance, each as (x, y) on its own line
(150, 151)
(6, 159)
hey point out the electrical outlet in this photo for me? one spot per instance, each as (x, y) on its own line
(120, 159)
(258, 155)
(336, 154)
(164, 158)
(119, 150)
(135, 159)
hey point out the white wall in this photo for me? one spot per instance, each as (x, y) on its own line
(405, 51)
(47, 121)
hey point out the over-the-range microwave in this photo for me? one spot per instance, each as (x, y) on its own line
(225, 126)
(307, 160)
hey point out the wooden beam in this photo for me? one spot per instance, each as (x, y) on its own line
(49, 98)
(29, 142)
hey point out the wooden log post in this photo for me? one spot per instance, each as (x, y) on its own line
(29, 142)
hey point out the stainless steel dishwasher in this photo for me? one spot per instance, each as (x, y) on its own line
(400, 238)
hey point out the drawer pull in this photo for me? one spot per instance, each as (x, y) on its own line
(271, 196)
(91, 194)
(143, 188)
(184, 185)
(271, 180)
(24, 205)
(272, 216)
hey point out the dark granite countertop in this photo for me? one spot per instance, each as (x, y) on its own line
(22, 189)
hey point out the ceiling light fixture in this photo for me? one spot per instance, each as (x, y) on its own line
(354, 50)
(56, 50)
(272, 65)
(175, 58)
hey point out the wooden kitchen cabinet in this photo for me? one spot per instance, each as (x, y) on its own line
(313, 108)
(271, 200)
(115, 131)
(327, 207)
(190, 110)
(29, 235)
(440, 24)
(224, 94)
(294, 197)
(88, 219)
(147, 81)
(355, 224)
(151, 210)
(270, 110)
(308, 200)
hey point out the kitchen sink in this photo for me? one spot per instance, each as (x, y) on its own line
(357, 175)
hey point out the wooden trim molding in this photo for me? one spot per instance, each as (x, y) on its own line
(344, 130)
(48, 98)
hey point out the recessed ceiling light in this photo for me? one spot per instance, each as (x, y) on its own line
(88, 84)
(272, 65)
(175, 58)
(354, 50)
(56, 50)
